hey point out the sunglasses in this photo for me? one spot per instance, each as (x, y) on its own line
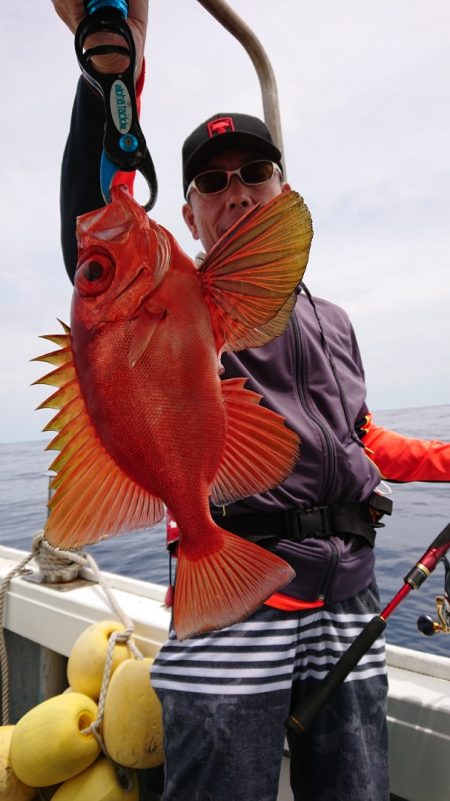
(252, 174)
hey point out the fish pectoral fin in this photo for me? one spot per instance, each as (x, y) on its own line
(254, 269)
(144, 326)
(226, 585)
(260, 450)
(244, 337)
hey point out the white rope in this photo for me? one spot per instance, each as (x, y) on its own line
(86, 560)
(56, 566)
(55, 563)
(125, 636)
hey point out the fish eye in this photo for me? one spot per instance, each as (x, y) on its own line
(95, 272)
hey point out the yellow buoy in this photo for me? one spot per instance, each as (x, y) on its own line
(11, 788)
(99, 782)
(132, 723)
(48, 745)
(87, 657)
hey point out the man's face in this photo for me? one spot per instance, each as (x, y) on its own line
(209, 216)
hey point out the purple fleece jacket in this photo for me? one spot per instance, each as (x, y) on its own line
(296, 379)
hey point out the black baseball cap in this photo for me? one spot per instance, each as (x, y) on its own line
(222, 132)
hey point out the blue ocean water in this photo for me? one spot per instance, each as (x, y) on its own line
(421, 512)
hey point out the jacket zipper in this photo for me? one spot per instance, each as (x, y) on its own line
(331, 570)
(330, 454)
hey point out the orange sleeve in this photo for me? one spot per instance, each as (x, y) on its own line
(400, 458)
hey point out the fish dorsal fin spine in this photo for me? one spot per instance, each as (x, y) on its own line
(93, 498)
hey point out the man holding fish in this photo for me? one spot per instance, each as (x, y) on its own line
(256, 628)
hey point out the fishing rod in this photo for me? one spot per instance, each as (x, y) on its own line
(234, 24)
(124, 145)
(304, 714)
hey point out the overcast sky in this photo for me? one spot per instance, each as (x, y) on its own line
(364, 92)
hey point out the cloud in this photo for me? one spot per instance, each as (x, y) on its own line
(365, 105)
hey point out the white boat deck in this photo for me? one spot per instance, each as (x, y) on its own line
(419, 696)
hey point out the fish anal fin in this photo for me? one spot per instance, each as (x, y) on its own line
(226, 585)
(260, 450)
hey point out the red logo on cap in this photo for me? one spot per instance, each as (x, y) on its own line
(220, 126)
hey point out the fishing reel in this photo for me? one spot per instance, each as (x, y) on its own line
(425, 623)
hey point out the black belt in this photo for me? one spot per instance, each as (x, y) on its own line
(351, 519)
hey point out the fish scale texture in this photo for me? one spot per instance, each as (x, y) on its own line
(144, 419)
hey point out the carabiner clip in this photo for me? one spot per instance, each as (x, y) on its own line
(124, 145)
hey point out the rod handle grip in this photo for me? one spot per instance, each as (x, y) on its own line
(304, 714)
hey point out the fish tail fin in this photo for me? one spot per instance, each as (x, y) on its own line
(225, 585)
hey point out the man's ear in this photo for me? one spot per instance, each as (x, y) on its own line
(189, 218)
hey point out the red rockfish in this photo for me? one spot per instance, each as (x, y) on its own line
(144, 419)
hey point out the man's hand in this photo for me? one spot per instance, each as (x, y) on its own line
(73, 11)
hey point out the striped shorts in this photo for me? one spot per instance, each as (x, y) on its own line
(226, 696)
